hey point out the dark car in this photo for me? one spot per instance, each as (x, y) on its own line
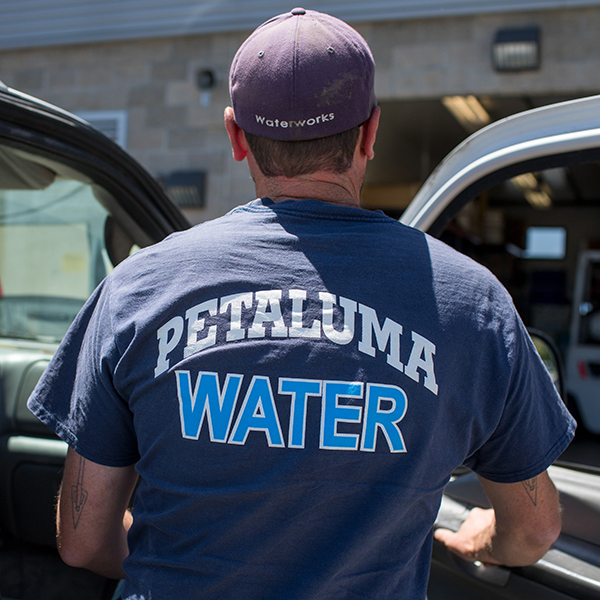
(73, 205)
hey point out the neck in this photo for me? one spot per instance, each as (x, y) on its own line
(337, 189)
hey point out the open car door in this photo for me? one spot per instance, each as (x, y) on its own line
(522, 197)
(73, 204)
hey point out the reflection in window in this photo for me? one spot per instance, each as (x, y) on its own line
(52, 256)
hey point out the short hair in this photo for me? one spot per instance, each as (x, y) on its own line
(277, 158)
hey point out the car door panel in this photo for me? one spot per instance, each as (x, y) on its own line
(31, 456)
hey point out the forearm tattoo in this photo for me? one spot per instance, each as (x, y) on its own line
(78, 494)
(530, 486)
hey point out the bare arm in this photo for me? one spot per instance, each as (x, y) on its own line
(92, 518)
(522, 525)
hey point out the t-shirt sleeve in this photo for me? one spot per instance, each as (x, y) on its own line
(534, 427)
(75, 396)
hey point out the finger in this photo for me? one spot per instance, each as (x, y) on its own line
(443, 535)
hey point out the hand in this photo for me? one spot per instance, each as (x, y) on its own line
(518, 531)
(473, 541)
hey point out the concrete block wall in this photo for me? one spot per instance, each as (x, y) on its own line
(430, 58)
(172, 127)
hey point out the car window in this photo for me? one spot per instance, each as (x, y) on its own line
(554, 280)
(52, 255)
(495, 229)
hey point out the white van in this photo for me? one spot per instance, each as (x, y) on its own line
(583, 356)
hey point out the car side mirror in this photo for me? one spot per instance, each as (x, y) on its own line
(550, 356)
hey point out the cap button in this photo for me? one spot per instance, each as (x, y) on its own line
(298, 11)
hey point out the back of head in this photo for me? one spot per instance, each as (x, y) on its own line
(300, 77)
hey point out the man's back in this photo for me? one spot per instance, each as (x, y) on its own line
(310, 399)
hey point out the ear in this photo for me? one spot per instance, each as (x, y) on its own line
(239, 146)
(369, 133)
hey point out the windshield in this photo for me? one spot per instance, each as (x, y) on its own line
(52, 256)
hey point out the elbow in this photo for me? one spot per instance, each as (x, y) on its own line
(549, 530)
(72, 554)
(79, 551)
(76, 548)
(91, 555)
(549, 535)
(69, 557)
(535, 543)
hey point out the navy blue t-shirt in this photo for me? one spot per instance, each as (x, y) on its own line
(295, 383)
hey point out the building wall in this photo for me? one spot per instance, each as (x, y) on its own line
(172, 127)
(37, 23)
(435, 57)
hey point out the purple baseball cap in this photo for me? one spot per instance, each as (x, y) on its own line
(302, 75)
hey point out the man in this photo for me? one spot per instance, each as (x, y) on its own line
(295, 381)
